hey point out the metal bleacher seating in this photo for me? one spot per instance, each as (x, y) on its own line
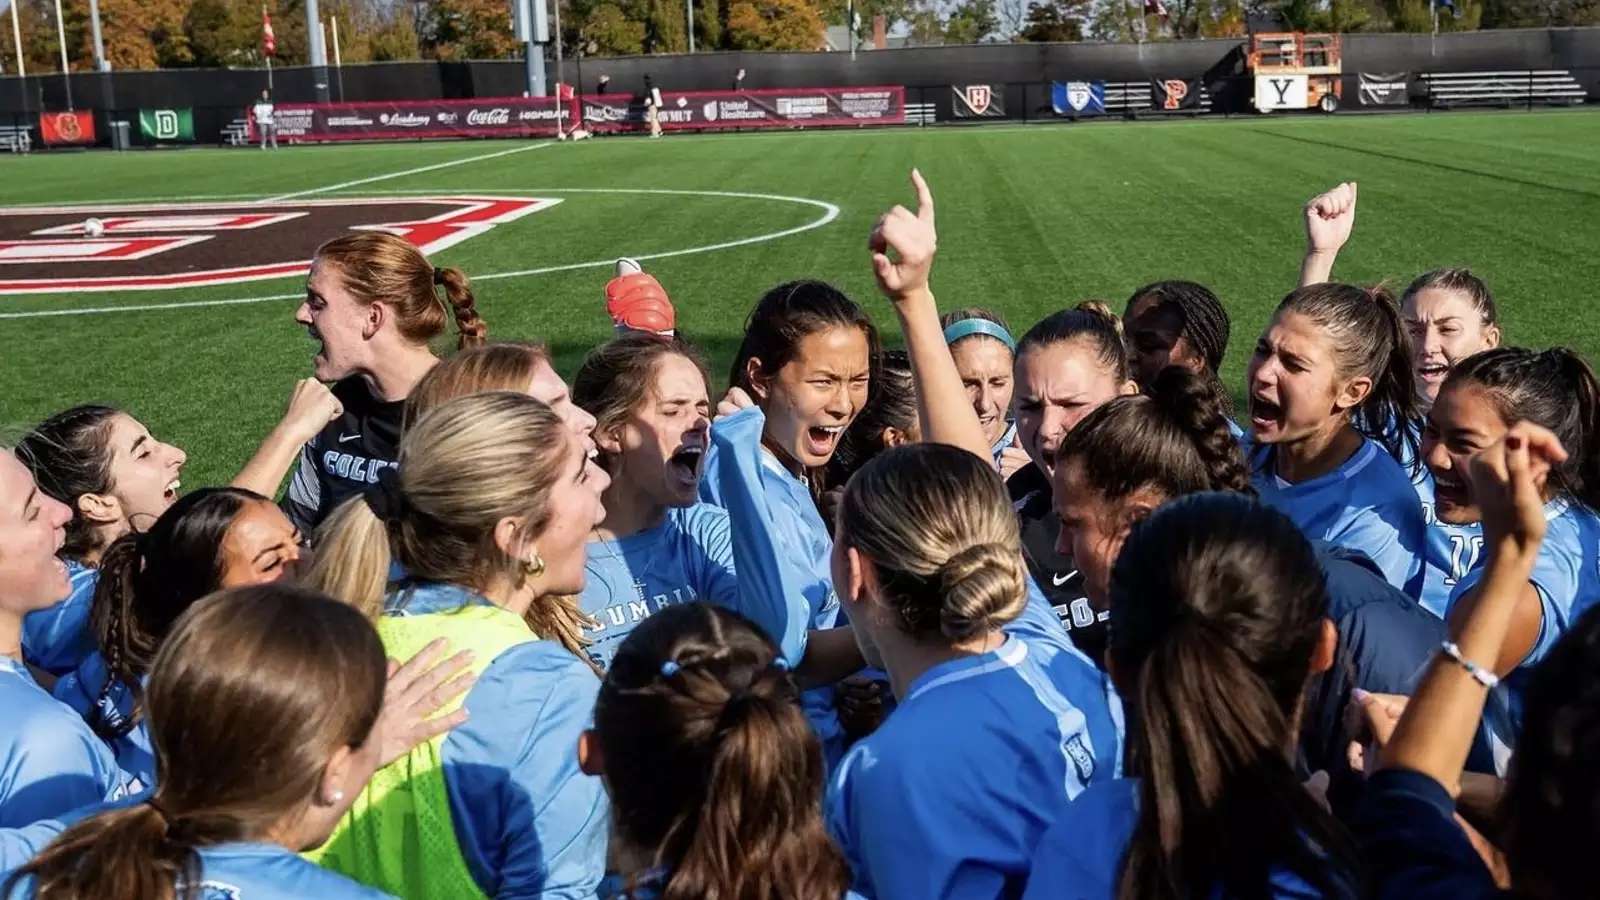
(920, 114)
(16, 138)
(1511, 88)
(237, 133)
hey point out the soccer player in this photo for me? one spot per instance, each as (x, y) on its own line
(486, 515)
(1483, 397)
(114, 477)
(714, 775)
(252, 773)
(1176, 323)
(517, 366)
(1219, 622)
(52, 762)
(985, 355)
(1135, 454)
(373, 302)
(266, 121)
(1332, 369)
(1000, 721)
(1067, 365)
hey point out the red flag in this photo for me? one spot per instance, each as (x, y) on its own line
(269, 43)
(1155, 8)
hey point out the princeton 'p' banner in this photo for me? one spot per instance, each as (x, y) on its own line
(1175, 93)
(978, 101)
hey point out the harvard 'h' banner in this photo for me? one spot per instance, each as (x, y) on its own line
(1078, 98)
(978, 101)
(1175, 93)
(67, 127)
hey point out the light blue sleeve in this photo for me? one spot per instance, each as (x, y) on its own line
(529, 822)
(770, 591)
(1081, 855)
(57, 638)
(716, 578)
(1556, 578)
(54, 764)
(18, 845)
(1394, 538)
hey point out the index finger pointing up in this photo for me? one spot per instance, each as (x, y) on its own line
(924, 197)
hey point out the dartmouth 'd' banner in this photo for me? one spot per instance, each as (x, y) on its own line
(1175, 93)
(166, 124)
(767, 108)
(1078, 98)
(1384, 90)
(978, 101)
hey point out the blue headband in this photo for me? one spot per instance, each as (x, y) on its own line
(969, 327)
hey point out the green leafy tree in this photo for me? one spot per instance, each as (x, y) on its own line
(467, 29)
(611, 32)
(774, 25)
(1056, 20)
(971, 21)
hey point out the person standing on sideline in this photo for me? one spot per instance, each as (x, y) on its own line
(266, 126)
(652, 106)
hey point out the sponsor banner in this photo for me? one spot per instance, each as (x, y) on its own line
(67, 127)
(1281, 92)
(1078, 98)
(537, 116)
(1385, 90)
(167, 124)
(1175, 93)
(488, 117)
(767, 108)
(978, 101)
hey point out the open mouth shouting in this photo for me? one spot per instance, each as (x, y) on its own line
(1266, 416)
(1432, 373)
(821, 440)
(684, 465)
(170, 495)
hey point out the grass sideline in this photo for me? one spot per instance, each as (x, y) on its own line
(1031, 219)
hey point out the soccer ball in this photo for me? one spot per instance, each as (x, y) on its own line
(93, 228)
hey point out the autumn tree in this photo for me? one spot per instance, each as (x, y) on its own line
(1055, 20)
(467, 29)
(774, 25)
(971, 21)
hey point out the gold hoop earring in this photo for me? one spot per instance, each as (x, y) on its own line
(533, 568)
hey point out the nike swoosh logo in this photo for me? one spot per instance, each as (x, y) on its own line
(1059, 580)
(347, 438)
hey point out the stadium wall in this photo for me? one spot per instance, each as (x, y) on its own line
(1025, 71)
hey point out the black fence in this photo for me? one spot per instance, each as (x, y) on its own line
(1022, 75)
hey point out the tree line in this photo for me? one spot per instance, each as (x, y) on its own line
(149, 34)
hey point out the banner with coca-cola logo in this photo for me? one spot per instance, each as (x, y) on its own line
(388, 120)
(610, 113)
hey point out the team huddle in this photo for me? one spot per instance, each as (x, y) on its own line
(989, 616)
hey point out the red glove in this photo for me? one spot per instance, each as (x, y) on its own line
(638, 302)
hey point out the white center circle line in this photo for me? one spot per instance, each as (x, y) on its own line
(830, 212)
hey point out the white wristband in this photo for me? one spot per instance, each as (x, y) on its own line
(1479, 674)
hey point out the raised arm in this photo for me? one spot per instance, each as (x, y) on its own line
(311, 407)
(945, 414)
(1329, 219)
(1436, 731)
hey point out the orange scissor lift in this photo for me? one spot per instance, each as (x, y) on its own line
(1295, 70)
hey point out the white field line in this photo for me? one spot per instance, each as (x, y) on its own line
(417, 171)
(830, 212)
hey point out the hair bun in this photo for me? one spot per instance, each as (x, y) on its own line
(982, 587)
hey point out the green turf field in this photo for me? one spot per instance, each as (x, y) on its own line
(1030, 219)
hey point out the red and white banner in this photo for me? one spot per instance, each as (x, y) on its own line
(269, 41)
(537, 116)
(67, 127)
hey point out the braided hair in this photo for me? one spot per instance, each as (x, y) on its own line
(1205, 323)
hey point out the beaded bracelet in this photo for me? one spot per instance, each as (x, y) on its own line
(1479, 674)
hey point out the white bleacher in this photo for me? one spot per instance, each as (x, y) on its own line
(920, 114)
(1509, 88)
(1135, 96)
(16, 138)
(237, 132)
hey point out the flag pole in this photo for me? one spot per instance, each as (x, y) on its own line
(16, 36)
(61, 37)
(338, 59)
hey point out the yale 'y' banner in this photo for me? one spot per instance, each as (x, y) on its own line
(167, 124)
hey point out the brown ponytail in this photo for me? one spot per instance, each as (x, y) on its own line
(471, 330)
(375, 266)
(712, 769)
(1176, 440)
(940, 532)
(237, 752)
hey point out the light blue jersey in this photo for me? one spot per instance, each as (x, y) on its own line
(241, 871)
(1080, 858)
(651, 885)
(949, 797)
(50, 762)
(1367, 504)
(57, 638)
(1566, 577)
(528, 821)
(998, 448)
(687, 558)
(782, 549)
(81, 690)
(1452, 551)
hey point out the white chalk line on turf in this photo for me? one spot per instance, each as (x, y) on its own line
(829, 213)
(417, 171)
